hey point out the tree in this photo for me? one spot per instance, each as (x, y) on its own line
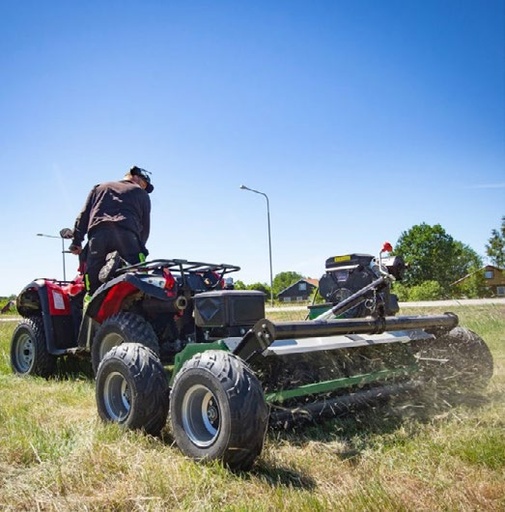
(285, 279)
(261, 287)
(496, 247)
(240, 285)
(433, 255)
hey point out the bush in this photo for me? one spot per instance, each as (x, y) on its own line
(401, 291)
(429, 290)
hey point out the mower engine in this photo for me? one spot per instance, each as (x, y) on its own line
(347, 275)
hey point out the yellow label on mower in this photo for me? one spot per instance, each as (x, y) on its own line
(338, 259)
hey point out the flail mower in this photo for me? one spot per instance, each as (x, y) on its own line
(169, 340)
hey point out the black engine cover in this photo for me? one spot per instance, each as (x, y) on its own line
(348, 274)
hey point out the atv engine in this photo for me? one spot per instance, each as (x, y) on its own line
(348, 274)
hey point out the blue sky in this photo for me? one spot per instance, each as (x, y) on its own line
(359, 119)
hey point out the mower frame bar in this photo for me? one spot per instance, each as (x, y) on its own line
(264, 332)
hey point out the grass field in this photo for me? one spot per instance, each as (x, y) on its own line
(55, 455)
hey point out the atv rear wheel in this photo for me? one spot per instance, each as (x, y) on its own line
(123, 327)
(132, 388)
(458, 362)
(29, 355)
(218, 411)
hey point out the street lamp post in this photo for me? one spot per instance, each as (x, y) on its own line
(62, 250)
(243, 187)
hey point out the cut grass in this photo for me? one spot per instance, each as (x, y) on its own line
(408, 455)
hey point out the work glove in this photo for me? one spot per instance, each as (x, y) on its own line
(75, 249)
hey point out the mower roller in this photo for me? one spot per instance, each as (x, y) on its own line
(170, 339)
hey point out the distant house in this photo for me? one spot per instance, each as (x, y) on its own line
(495, 280)
(299, 291)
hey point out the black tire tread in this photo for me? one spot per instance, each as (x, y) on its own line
(248, 409)
(469, 366)
(44, 364)
(148, 382)
(134, 329)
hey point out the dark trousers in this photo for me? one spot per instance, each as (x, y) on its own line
(104, 240)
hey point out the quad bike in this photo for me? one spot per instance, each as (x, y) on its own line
(149, 303)
(167, 340)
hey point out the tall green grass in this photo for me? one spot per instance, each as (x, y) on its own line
(55, 455)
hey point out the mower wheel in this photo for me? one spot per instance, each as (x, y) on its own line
(29, 355)
(124, 327)
(218, 410)
(132, 388)
(458, 362)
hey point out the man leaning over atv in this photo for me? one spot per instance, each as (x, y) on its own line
(115, 217)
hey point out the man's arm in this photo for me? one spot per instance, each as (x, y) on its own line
(82, 221)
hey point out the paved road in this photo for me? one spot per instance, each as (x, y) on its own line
(461, 302)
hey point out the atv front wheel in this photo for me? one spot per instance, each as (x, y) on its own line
(123, 327)
(29, 355)
(132, 388)
(218, 411)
